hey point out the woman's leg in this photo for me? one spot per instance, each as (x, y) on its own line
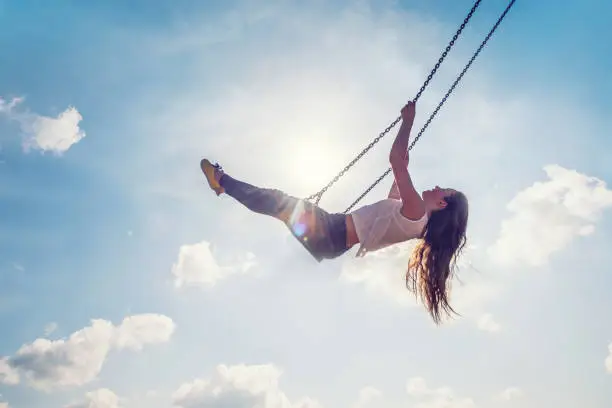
(322, 234)
(266, 201)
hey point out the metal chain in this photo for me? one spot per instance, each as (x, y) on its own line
(319, 194)
(435, 112)
(446, 51)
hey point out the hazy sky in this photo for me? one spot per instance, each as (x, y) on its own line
(125, 282)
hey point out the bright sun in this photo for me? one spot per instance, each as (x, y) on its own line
(312, 165)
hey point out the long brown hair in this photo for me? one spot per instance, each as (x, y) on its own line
(433, 260)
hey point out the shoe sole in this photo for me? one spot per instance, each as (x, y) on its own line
(209, 171)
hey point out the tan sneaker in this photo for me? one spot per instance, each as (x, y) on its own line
(213, 173)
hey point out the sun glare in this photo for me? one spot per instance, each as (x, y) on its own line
(312, 165)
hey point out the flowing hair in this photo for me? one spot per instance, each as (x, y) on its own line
(433, 261)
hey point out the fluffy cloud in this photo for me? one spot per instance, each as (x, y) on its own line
(488, 323)
(77, 360)
(197, 266)
(53, 134)
(8, 375)
(138, 330)
(608, 361)
(238, 386)
(101, 398)
(548, 215)
(258, 386)
(417, 386)
(56, 135)
(7, 107)
(511, 393)
(381, 273)
(470, 297)
(4, 405)
(73, 361)
(442, 397)
(366, 396)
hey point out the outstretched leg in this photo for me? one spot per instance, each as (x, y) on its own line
(322, 234)
(266, 201)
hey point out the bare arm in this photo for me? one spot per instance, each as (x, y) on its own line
(413, 206)
(394, 191)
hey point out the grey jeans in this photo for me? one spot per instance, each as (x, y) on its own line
(321, 233)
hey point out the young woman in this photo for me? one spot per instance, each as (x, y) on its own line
(437, 217)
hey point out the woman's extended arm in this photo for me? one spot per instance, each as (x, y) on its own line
(413, 206)
(394, 191)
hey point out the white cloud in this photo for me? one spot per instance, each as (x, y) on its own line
(74, 361)
(4, 405)
(548, 215)
(442, 397)
(197, 266)
(366, 396)
(50, 328)
(238, 386)
(138, 330)
(77, 360)
(382, 273)
(511, 393)
(53, 134)
(487, 323)
(8, 107)
(8, 375)
(608, 361)
(101, 398)
(471, 297)
(417, 386)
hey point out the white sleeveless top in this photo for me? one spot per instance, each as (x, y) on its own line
(381, 224)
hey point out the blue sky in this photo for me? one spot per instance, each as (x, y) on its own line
(96, 232)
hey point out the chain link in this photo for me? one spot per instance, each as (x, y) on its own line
(435, 112)
(317, 196)
(446, 51)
